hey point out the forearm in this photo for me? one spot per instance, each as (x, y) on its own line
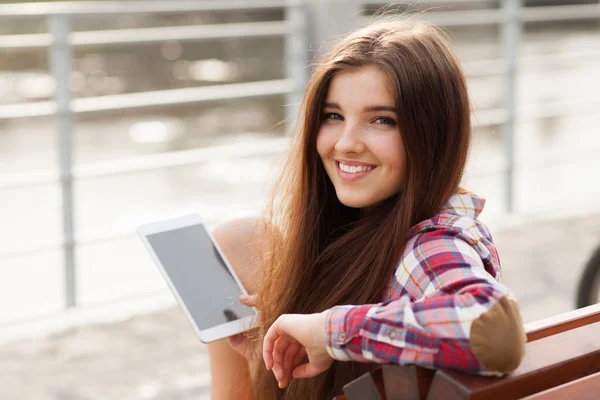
(450, 331)
(230, 373)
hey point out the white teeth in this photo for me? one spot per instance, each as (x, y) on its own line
(354, 169)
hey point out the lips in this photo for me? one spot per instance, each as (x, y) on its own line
(353, 171)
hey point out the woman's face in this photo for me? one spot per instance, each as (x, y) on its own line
(359, 140)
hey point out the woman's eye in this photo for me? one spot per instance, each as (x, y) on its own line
(385, 121)
(332, 116)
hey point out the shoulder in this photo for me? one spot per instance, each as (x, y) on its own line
(452, 243)
(456, 229)
(459, 215)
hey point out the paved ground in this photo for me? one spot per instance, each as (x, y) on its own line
(157, 356)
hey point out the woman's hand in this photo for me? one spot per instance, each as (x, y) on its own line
(240, 342)
(290, 339)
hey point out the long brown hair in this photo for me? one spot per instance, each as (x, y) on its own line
(322, 253)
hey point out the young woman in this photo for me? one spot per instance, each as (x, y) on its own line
(371, 252)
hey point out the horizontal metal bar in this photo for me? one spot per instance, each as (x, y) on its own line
(483, 68)
(385, 5)
(27, 110)
(420, 2)
(137, 7)
(563, 109)
(242, 90)
(29, 41)
(152, 35)
(27, 249)
(197, 32)
(496, 167)
(152, 99)
(450, 18)
(560, 13)
(480, 118)
(147, 163)
(585, 55)
(496, 16)
(442, 18)
(464, 17)
(182, 96)
(27, 179)
(180, 158)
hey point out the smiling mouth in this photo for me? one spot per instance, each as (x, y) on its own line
(352, 173)
(354, 169)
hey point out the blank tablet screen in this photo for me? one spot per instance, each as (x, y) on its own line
(199, 275)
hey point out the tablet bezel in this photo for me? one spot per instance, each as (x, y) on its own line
(209, 334)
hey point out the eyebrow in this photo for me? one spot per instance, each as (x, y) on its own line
(366, 109)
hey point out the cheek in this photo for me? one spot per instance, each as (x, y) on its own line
(323, 143)
(392, 154)
(390, 150)
(399, 164)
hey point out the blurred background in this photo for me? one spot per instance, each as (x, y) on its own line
(114, 114)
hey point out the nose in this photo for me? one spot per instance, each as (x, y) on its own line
(350, 140)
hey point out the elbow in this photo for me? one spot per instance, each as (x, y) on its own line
(497, 337)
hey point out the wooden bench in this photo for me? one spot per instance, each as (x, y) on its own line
(562, 360)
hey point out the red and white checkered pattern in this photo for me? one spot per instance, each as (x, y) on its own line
(447, 277)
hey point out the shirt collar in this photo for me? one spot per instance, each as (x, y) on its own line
(464, 204)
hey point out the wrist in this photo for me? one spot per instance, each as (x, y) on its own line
(321, 328)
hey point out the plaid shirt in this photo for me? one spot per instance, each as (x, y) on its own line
(446, 278)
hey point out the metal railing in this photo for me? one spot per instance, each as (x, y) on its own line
(295, 28)
(60, 41)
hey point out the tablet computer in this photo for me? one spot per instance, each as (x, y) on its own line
(201, 279)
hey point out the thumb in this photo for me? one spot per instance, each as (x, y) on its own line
(248, 299)
(307, 370)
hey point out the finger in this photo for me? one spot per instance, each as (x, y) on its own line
(289, 355)
(299, 358)
(284, 383)
(248, 299)
(269, 342)
(288, 358)
(281, 346)
(307, 370)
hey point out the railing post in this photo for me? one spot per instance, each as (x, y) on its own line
(511, 38)
(296, 59)
(60, 68)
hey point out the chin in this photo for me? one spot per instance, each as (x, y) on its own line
(362, 200)
(356, 202)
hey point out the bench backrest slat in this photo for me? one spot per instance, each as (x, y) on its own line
(562, 322)
(549, 362)
(586, 388)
